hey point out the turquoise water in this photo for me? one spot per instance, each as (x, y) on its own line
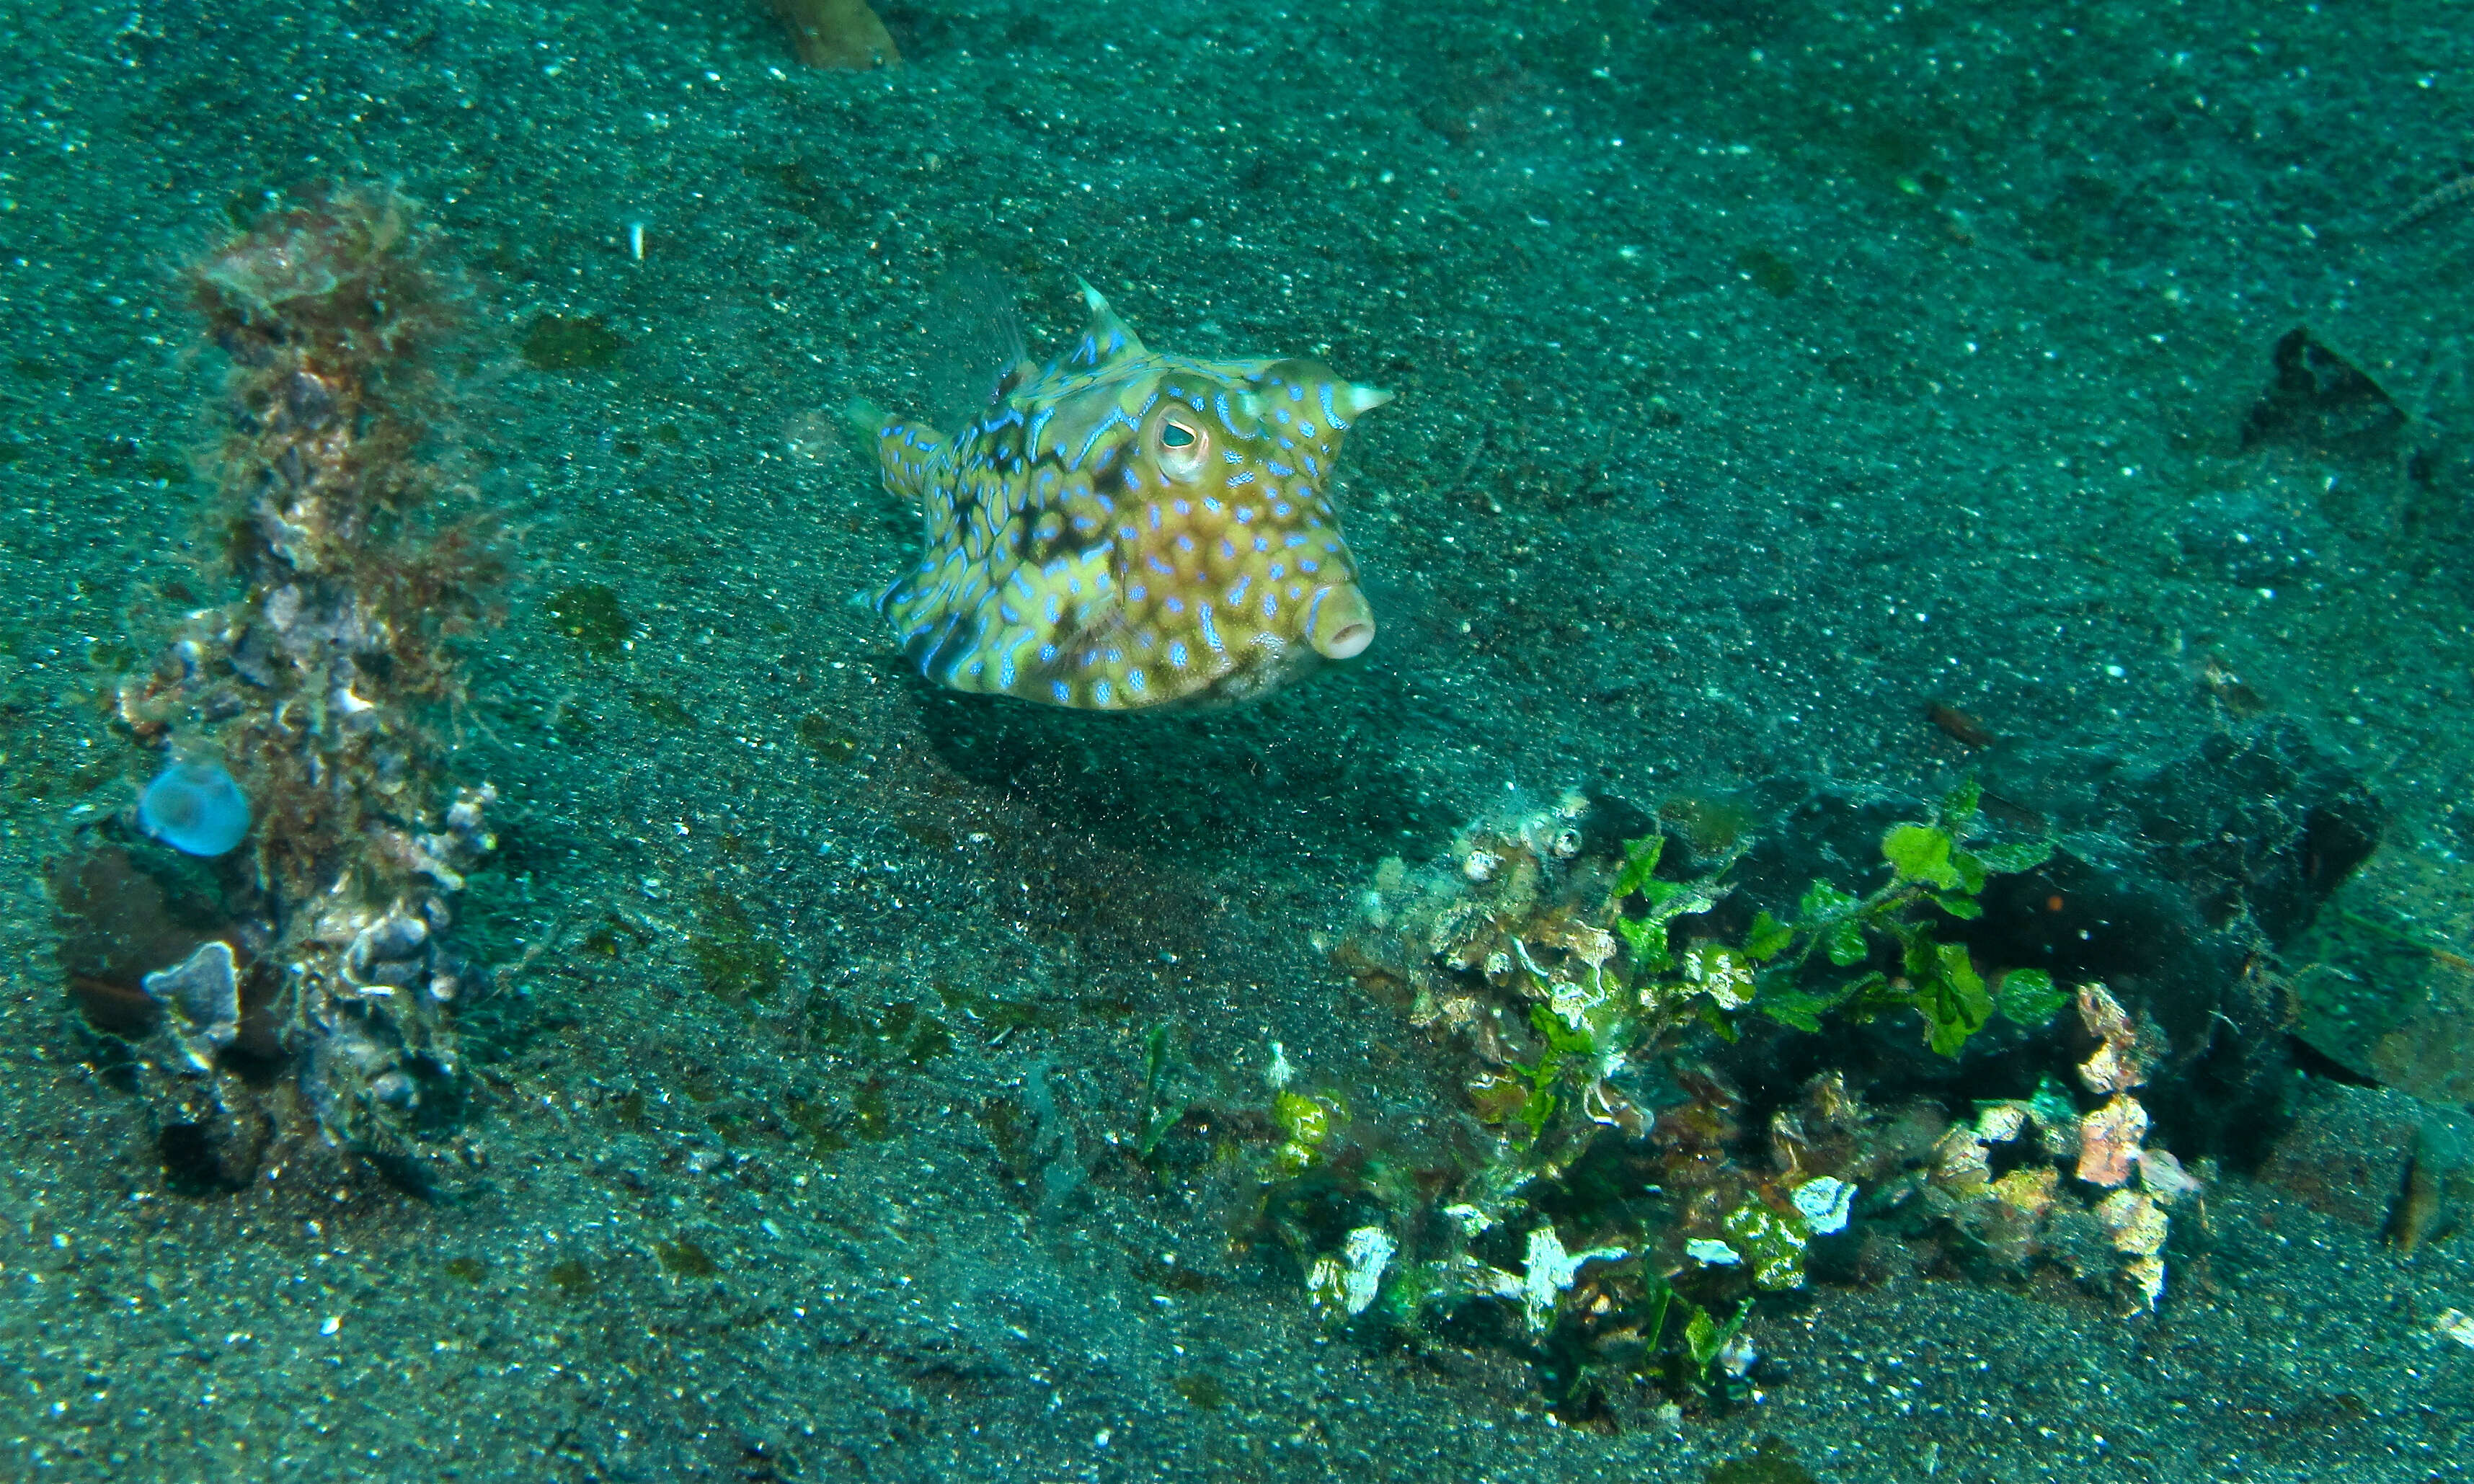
(1801, 410)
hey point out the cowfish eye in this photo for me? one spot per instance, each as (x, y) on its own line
(1181, 447)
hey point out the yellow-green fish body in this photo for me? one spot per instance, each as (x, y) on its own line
(1122, 529)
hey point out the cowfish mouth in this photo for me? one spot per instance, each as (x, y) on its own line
(1343, 627)
(1344, 624)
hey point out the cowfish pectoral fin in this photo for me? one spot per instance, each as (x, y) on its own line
(1057, 635)
(1107, 337)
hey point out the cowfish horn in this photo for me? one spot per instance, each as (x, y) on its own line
(1344, 624)
(1362, 399)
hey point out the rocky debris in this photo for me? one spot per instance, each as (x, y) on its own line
(2181, 873)
(290, 1002)
(201, 1000)
(2382, 982)
(2343, 1150)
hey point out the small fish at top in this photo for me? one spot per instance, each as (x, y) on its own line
(1122, 529)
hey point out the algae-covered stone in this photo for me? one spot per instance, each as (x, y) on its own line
(1308, 1122)
(590, 614)
(1550, 1270)
(1772, 1242)
(2385, 981)
(1345, 1284)
(563, 343)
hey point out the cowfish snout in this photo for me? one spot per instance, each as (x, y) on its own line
(1344, 624)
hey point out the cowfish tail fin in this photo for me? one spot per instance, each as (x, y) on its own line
(906, 453)
(1107, 337)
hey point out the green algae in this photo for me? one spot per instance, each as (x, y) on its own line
(571, 1277)
(1772, 1242)
(826, 739)
(822, 195)
(737, 963)
(1595, 964)
(823, 1122)
(1157, 1115)
(997, 1016)
(659, 706)
(1938, 869)
(579, 343)
(1706, 1338)
(921, 1036)
(683, 1258)
(1770, 1462)
(1770, 273)
(1307, 1121)
(897, 1029)
(590, 614)
(819, 1130)
(872, 1111)
(1011, 1132)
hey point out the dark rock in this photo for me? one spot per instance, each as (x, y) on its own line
(2344, 1152)
(2382, 983)
(2320, 402)
(2178, 874)
(200, 997)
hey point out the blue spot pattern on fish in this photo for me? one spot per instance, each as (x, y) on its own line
(1123, 529)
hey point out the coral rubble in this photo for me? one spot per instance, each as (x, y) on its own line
(1632, 1204)
(297, 994)
(1637, 1002)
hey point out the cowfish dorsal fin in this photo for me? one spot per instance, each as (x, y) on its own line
(973, 343)
(1107, 337)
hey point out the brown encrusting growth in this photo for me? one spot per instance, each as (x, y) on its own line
(356, 585)
(843, 35)
(1964, 728)
(321, 689)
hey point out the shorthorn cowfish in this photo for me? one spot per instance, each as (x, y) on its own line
(1121, 529)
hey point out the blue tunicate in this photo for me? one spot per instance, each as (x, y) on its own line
(196, 807)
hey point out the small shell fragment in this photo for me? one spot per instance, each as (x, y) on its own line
(1960, 1162)
(2118, 1066)
(2028, 1189)
(1824, 1204)
(2133, 1223)
(1998, 1122)
(2109, 1141)
(2457, 1325)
